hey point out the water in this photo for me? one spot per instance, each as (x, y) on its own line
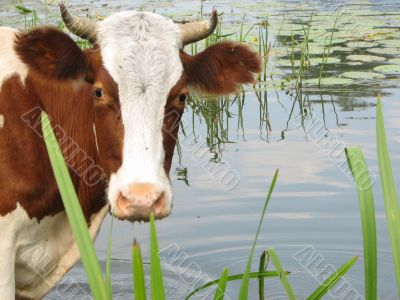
(314, 206)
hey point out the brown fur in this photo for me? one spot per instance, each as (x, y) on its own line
(221, 68)
(173, 113)
(51, 53)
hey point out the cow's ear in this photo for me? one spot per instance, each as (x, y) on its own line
(51, 52)
(221, 68)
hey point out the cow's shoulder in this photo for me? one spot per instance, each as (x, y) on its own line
(43, 251)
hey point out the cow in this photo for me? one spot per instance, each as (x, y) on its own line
(115, 108)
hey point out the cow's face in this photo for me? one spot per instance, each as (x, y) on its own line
(142, 55)
(129, 134)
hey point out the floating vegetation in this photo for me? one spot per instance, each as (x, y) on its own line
(342, 49)
(329, 81)
(385, 51)
(323, 42)
(311, 62)
(388, 69)
(363, 75)
(365, 58)
(319, 61)
(394, 61)
(391, 43)
(362, 44)
(354, 63)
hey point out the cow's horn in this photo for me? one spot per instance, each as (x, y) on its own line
(196, 31)
(82, 27)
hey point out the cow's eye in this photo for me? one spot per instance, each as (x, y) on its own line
(99, 93)
(182, 97)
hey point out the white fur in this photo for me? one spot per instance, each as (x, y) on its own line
(2, 120)
(10, 64)
(38, 253)
(141, 52)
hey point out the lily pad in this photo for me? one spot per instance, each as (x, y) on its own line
(341, 49)
(395, 61)
(330, 81)
(365, 58)
(362, 44)
(279, 52)
(312, 62)
(391, 43)
(316, 50)
(354, 63)
(388, 69)
(387, 51)
(363, 75)
(326, 41)
(318, 60)
(288, 63)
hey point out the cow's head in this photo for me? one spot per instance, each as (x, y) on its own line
(149, 72)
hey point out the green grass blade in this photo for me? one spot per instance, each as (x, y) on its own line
(359, 169)
(74, 212)
(138, 273)
(220, 292)
(24, 10)
(108, 261)
(156, 280)
(244, 288)
(261, 281)
(267, 274)
(332, 280)
(284, 280)
(389, 192)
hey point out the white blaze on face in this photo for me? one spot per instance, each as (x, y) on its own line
(141, 52)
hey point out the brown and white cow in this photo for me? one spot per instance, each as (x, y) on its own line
(116, 109)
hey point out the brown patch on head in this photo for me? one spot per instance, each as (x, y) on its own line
(108, 121)
(51, 52)
(221, 68)
(172, 116)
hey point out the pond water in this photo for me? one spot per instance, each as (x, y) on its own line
(233, 146)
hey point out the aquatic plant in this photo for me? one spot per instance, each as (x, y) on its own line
(360, 172)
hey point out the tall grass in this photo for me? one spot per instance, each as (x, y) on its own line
(332, 280)
(359, 169)
(360, 172)
(30, 16)
(389, 192)
(282, 274)
(244, 288)
(138, 273)
(74, 213)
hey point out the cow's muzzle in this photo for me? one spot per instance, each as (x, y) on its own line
(137, 201)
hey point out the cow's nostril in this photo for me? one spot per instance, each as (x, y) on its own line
(123, 205)
(159, 205)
